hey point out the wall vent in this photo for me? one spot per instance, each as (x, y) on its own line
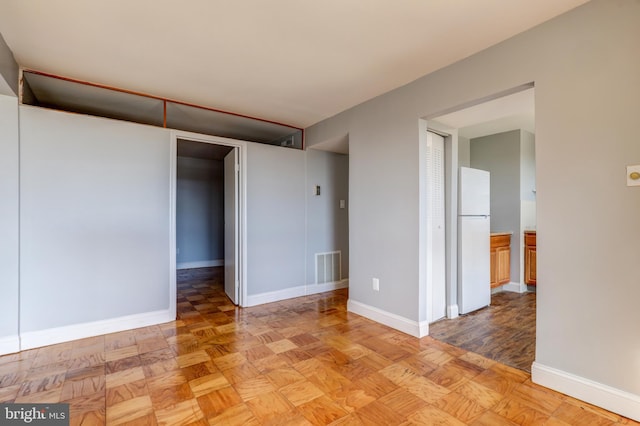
(328, 267)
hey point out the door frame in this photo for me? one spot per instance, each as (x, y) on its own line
(230, 218)
(450, 134)
(429, 209)
(451, 220)
(241, 201)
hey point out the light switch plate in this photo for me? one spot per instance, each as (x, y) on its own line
(633, 171)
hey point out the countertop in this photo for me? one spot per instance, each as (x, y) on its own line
(529, 231)
(498, 234)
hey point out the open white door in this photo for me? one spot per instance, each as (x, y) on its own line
(231, 171)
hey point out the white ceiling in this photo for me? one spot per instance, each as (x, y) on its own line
(292, 61)
(512, 112)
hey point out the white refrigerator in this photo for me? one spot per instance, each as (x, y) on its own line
(474, 228)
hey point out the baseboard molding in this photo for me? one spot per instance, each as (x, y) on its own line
(292, 292)
(607, 397)
(515, 287)
(413, 328)
(324, 287)
(452, 311)
(9, 344)
(36, 339)
(200, 264)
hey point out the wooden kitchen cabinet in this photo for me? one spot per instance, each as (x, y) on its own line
(530, 257)
(500, 259)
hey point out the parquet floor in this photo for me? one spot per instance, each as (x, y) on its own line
(504, 331)
(297, 362)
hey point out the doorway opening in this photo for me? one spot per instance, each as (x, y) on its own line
(207, 211)
(497, 136)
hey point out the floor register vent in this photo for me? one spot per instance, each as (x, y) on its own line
(328, 267)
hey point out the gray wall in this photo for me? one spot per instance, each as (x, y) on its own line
(527, 166)
(327, 223)
(587, 78)
(499, 154)
(464, 152)
(199, 210)
(286, 223)
(9, 206)
(276, 243)
(8, 70)
(9, 220)
(94, 219)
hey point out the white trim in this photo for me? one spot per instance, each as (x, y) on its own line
(324, 287)
(276, 296)
(173, 182)
(425, 292)
(242, 226)
(607, 397)
(200, 264)
(515, 287)
(9, 344)
(452, 311)
(413, 328)
(292, 292)
(36, 339)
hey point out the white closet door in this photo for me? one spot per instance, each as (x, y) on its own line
(436, 292)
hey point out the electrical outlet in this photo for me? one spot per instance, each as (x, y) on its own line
(376, 284)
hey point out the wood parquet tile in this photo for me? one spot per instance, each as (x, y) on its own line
(305, 361)
(504, 332)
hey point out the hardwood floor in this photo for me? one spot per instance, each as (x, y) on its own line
(297, 362)
(504, 331)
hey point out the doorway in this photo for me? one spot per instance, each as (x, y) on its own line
(207, 209)
(479, 137)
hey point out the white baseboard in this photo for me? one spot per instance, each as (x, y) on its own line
(413, 328)
(612, 399)
(200, 264)
(36, 339)
(321, 288)
(452, 311)
(275, 296)
(290, 293)
(9, 344)
(515, 287)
